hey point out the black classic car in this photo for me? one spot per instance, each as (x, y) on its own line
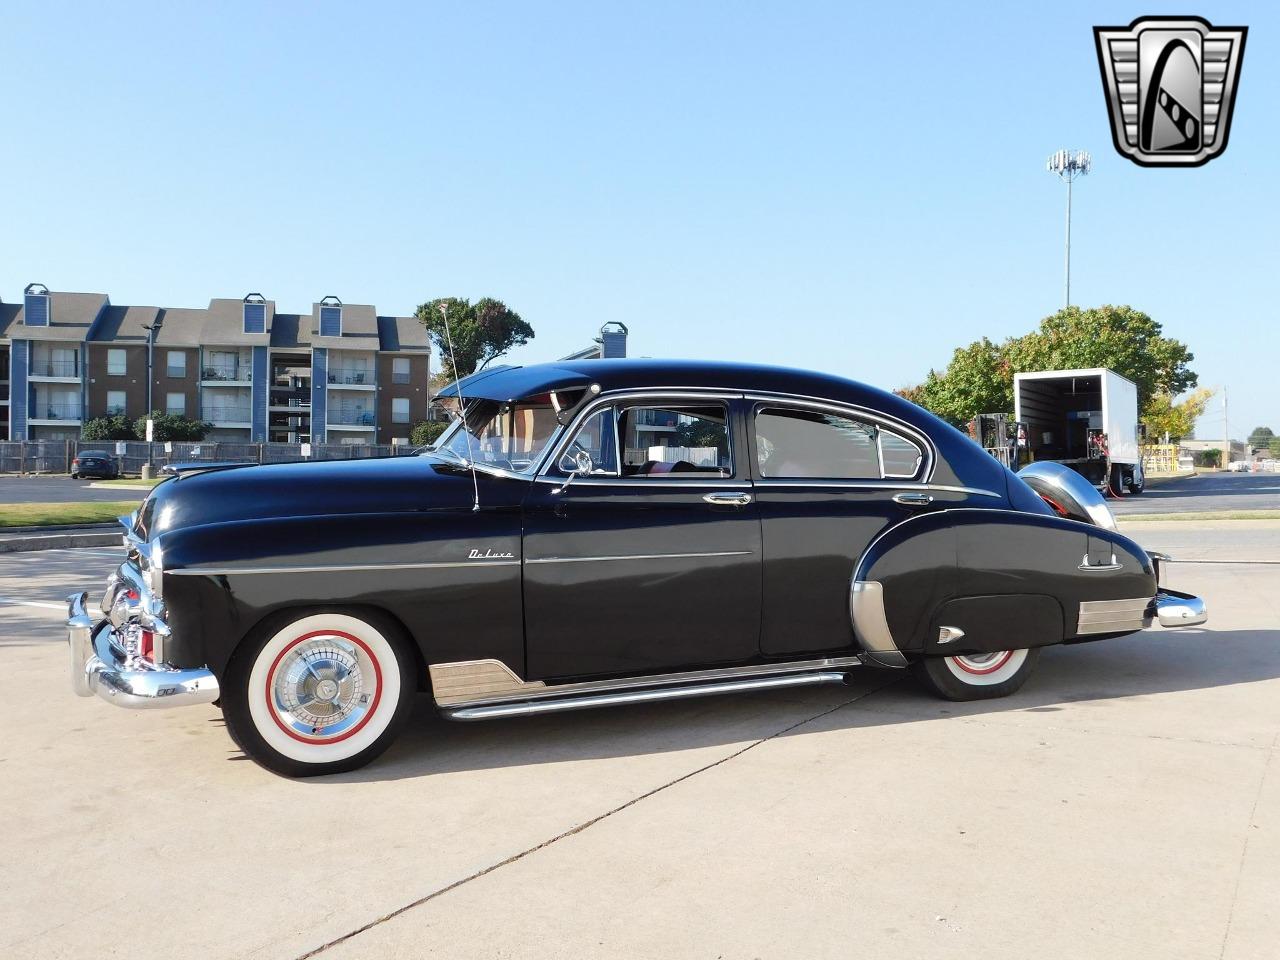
(605, 532)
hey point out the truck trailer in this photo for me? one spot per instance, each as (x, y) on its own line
(1085, 419)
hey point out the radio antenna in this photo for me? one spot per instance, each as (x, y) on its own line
(462, 410)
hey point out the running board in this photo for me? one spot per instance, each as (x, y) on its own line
(610, 698)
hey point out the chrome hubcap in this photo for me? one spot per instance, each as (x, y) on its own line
(318, 688)
(979, 659)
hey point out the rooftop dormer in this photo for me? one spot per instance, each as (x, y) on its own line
(36, 303)
(330, 317)
(255, 313)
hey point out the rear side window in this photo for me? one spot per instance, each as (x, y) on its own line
(816, 445)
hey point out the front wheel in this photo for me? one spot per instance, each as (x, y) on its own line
(976, 676)
(322, 693)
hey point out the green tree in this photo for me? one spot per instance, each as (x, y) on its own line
(1162, 415)
(171, 426)
(1210, 458)
(1273, 446)
(979, 378)
(481, 331)
(118, 427)
(426, 432)
(1260, 439)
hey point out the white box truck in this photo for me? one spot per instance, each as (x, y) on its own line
(1086, 419)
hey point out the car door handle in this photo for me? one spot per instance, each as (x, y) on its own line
(735, 499)
(913, 499)
(1100, 567)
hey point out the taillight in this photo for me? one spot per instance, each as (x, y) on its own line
(75, 460)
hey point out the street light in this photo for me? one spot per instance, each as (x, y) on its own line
(1069, 165)
(151, 329)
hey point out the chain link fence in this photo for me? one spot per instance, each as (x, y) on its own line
(55, 456)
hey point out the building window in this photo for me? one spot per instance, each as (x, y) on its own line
(175, 404)
(115, 402)
(176, 363)
(117, 363)
(400, 370)
(400, 410)
(330, 321)
(255, 317)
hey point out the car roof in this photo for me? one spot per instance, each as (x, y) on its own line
(513, 383)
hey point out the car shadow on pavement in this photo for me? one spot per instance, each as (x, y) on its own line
(1138, 667)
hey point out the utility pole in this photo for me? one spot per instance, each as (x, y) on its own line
(1068, 166)
(151, 350)
(1226, 429)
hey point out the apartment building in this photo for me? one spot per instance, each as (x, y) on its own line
(339, 374)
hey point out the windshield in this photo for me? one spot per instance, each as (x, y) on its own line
(508, 436)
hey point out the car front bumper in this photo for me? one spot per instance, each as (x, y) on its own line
(100, 666)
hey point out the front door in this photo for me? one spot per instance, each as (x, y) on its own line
(649, 562)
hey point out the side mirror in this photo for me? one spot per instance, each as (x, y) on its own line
(575, 463)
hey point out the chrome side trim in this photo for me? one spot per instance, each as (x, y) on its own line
(642, 556)
(584, 701)
(343, 568)
(467, 680)
(1113, 616)
(463, 680)
(906, 485)
(866, 610)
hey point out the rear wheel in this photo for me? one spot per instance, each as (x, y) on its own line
(322, 693)
(976, 676)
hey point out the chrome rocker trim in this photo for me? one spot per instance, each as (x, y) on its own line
(97, 667)
(489, 689)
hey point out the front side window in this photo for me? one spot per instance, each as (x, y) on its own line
(662, 439)
(116, 362)
(816, 445)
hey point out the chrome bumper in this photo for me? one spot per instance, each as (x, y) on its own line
(99, 666)
(1176, 609)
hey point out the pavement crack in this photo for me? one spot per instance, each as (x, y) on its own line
(1244, 848)
(587, 824)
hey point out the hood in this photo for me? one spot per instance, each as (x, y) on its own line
(318, 489)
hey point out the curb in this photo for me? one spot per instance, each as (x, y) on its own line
(59, 528)
(59, 541)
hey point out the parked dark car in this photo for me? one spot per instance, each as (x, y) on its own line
(94, 463)
(605, 532)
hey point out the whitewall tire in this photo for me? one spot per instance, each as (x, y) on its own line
(324, 692)
(976, 676)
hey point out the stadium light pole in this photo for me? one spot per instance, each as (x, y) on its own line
(1069, 165)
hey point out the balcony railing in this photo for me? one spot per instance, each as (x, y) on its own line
(350, 417)
(227, 372)
(55, 411)
(656, 418)
(354, 375)
(228, 414)
(55, 368)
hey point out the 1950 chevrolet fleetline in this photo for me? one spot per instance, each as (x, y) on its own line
(603, 532)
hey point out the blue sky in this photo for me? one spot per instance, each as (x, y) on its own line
(856, 189)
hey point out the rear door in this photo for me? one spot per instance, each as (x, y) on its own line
(651, 562)
(828, 481)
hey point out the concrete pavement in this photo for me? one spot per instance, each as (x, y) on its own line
(1125, 803)
(60, 490)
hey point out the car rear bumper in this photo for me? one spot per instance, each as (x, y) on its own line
(99, 666)
(1172, 608)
